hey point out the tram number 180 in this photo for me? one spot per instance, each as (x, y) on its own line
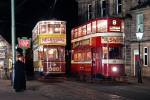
(54, 69)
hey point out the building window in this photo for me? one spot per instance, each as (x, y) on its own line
(119, 6)
(145, 56)
(89, 11)
(103, 8)
(139, 23)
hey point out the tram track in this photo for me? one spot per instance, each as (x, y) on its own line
(79, 91)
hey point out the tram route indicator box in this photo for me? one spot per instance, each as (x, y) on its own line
(115, 25)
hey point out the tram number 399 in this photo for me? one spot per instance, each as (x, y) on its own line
(54, 69)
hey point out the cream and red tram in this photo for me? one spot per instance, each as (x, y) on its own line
(97, 48)
(49, 41)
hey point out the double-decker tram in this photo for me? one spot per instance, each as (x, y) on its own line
(97, 48)
(49, 41)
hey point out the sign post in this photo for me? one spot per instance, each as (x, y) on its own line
(24, 44)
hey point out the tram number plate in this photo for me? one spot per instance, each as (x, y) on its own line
(54, 69)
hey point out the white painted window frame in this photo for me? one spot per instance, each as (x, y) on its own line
(102, 15)
(89, 13)
(144, 53)
(117, 8)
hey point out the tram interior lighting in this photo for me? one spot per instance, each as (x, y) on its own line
(88, 29)
(94, 26)
(51, 51)
(114, 69)
(45, 49)
(50, 31)
(56, 29)
(43, 29)
(40, 48)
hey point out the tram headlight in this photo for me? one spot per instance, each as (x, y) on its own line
(114, 69)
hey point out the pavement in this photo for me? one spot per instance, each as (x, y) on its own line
(134, 80)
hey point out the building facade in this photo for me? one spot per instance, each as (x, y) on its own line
(137, 20)
(5, 59)
(135, 14)
(91, 9)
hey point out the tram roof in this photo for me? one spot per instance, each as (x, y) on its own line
(47, 21)
(92, 20)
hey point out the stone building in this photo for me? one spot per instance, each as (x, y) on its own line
(91, 9)
(136, 18)
(5, 58)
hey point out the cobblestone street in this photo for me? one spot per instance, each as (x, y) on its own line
(75, 90)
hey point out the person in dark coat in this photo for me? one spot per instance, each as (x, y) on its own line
(19, 74)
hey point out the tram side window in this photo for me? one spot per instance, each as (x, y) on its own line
(88, 58)
(82, 56)
(115, 53)
(43, 29)
(75, 57)
(50, 28)
(79, 57)
(57, 28)
(63, 29)
(53, 28)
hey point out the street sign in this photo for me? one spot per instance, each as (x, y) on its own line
(24, 43)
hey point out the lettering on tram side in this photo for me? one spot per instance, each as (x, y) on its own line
(54, 69)
(115, 28)
(111, 39)
(52, 40)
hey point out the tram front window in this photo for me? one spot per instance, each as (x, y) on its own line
(112, 53)
(115, 53)
(53, 54)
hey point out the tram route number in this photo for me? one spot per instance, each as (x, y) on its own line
(54, 69)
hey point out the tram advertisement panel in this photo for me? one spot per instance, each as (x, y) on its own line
(52, 39)
(112, 39)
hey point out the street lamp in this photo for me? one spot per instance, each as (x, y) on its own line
(13, 36)
(139, 36)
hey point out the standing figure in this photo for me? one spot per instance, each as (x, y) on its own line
(19, 74)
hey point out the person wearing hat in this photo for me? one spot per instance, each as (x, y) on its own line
(19, 74)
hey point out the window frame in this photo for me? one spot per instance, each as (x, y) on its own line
(118, 5)
(103, 9)
(140, 22)
(89, 11)
(145, 54)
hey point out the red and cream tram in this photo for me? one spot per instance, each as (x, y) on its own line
(97, 48)
(49, 41)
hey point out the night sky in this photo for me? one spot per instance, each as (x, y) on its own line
(29, 12)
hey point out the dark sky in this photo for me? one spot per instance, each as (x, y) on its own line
(29, 12)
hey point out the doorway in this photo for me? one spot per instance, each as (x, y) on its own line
(136, 58)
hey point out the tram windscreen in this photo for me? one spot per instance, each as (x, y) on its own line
(54, 54)
(112, 53)
(115, 53)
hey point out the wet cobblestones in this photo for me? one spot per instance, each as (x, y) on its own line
(76, 90)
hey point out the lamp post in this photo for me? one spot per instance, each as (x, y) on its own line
(13, 36)
(139, 36)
